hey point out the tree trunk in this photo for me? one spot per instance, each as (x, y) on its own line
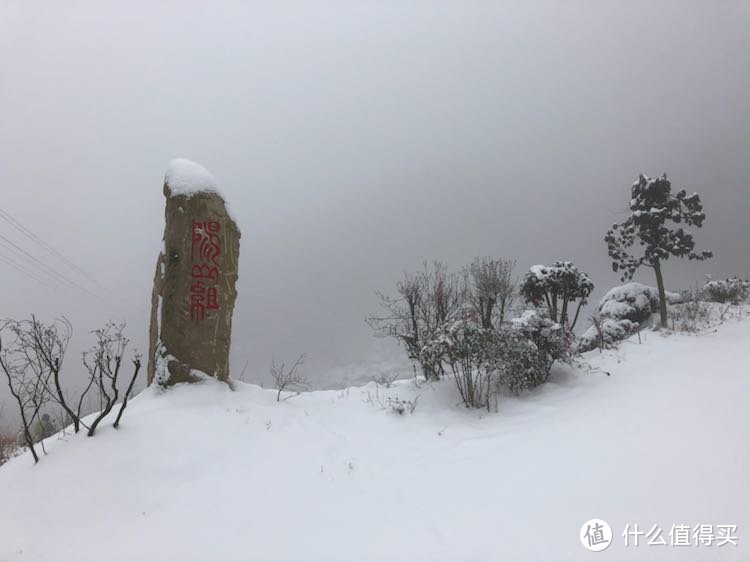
(487, 314)
(662, 294)
(554, 307)
(575, 318)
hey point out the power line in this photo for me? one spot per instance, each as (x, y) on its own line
(56, 274)
(29, 234)
(17, 266)
(53, 273)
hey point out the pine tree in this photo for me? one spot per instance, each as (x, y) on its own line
(652, 207)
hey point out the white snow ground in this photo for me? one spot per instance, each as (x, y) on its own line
(201, 473)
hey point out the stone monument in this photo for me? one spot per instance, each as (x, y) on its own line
(195, 282)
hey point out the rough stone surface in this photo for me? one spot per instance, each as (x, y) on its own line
(194, 289)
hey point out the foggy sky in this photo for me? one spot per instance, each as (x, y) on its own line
(354, 140)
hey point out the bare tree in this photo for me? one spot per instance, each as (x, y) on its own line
(289, 378)
(425, 301)
(445, 296)
(50, 342)
(490, 289)
(103, 362)
(28, 377)
(401, 319)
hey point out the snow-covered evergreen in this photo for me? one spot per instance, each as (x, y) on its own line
(658, 220)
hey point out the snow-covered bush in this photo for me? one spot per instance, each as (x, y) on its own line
(468, 349)
(434, 297)
(529, 345)
(692, 314)
(731, 290)
(606, 332)
(632, 301)
(556, 287)
(621, 312)
(400, 406)
(516, 356)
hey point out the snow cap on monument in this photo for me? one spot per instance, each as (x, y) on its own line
(195, 280)
(185, 177)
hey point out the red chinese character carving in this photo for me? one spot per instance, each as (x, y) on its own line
(205, 251)
(202, 271)
(212, 298)
(206, 241)
(197, 301)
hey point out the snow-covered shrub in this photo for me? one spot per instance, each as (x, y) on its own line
(517, 356)
(633, 301)
(468, 349)
(606, 332)
(692, 314)
(731, 290)
(621, 312)
(400, 406)
(428, 300)
(556, 287)
(528, 346)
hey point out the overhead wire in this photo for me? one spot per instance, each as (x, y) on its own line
(5, 215)
(23, 254)
(45, 273)
(18, 267)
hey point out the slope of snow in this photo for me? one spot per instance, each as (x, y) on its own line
(185, 177)
(202, 473)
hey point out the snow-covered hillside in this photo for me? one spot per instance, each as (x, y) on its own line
(202, 473)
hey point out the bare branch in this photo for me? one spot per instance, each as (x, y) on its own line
(136, 368)
(289, 378)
